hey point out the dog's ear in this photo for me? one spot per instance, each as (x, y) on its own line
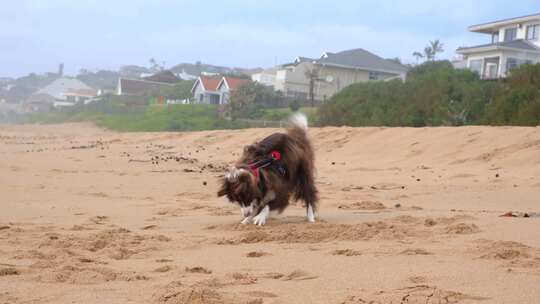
(250, 149)
(224, 190)
(243, 176)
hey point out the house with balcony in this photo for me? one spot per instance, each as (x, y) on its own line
(513, 42)
(332, 72)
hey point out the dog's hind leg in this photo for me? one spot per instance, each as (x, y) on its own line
(305, 188)
(310, 214)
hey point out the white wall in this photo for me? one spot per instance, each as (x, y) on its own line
(224, 94)
(264, 79)
(504, 55)
(521, 32)
(482, 56)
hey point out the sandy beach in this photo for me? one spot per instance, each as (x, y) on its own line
(406, 216)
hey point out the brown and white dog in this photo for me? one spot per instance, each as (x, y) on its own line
(272, 170)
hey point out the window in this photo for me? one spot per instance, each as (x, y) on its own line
(476, 66)
(495, 37)
(373, 76)
(533, 32)
(511, 63)
(510, 34)
(201, 97)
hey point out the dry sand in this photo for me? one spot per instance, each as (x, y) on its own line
(92, 216)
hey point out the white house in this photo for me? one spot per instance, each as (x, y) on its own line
(185, 76)
(81, 95)
(514, 42)
(228, 85)
(332, 72)
(205, 90)
(57, 94)
(60, 86)
(266, 77)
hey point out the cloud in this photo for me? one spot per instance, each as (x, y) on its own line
(100, 33)
(236, 44)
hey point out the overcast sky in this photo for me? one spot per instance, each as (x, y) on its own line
(37, 35)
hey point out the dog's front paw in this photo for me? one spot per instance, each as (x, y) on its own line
(246, 220)
(260, 219)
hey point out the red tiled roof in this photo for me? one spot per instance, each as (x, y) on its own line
(234, 83)
(210, 83)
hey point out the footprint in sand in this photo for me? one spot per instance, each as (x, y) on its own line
(364, 205)
(176, 292)
(513, 254)
(165, 268)
(419, 294)
(198, 269)
(462, 228)
(164, 261)
(9, 271)
(149, 227)
(346, 252)
(418, 279)
(260, 294)
(99, 219)
(257, 254)
(415, 251)
(298, 275)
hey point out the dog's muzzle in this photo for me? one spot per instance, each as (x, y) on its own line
(247, 211)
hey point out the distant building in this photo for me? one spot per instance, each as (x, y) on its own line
(227, 85)
(185, 76)
(332, 72)
(205, 90)
(146, 85)
(266, 77)
(9, 109)
(54, 95)
(80, 95)
(163, 77)
(514, 42)
(39, 103)
(138, 87)
(61, 85)
(216, 90)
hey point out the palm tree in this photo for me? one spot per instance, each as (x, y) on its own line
(436, 47)
(313, 76)
(428, 53)
(418, 56)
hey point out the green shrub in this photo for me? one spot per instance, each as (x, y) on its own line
(437, 94)
(149, 118)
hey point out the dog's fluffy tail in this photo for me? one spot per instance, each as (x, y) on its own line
(299, 120)
(298, 125)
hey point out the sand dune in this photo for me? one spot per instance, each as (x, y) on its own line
(407, 216)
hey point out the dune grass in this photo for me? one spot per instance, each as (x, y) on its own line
(152, 118)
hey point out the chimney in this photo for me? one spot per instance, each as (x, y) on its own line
(61, 69)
